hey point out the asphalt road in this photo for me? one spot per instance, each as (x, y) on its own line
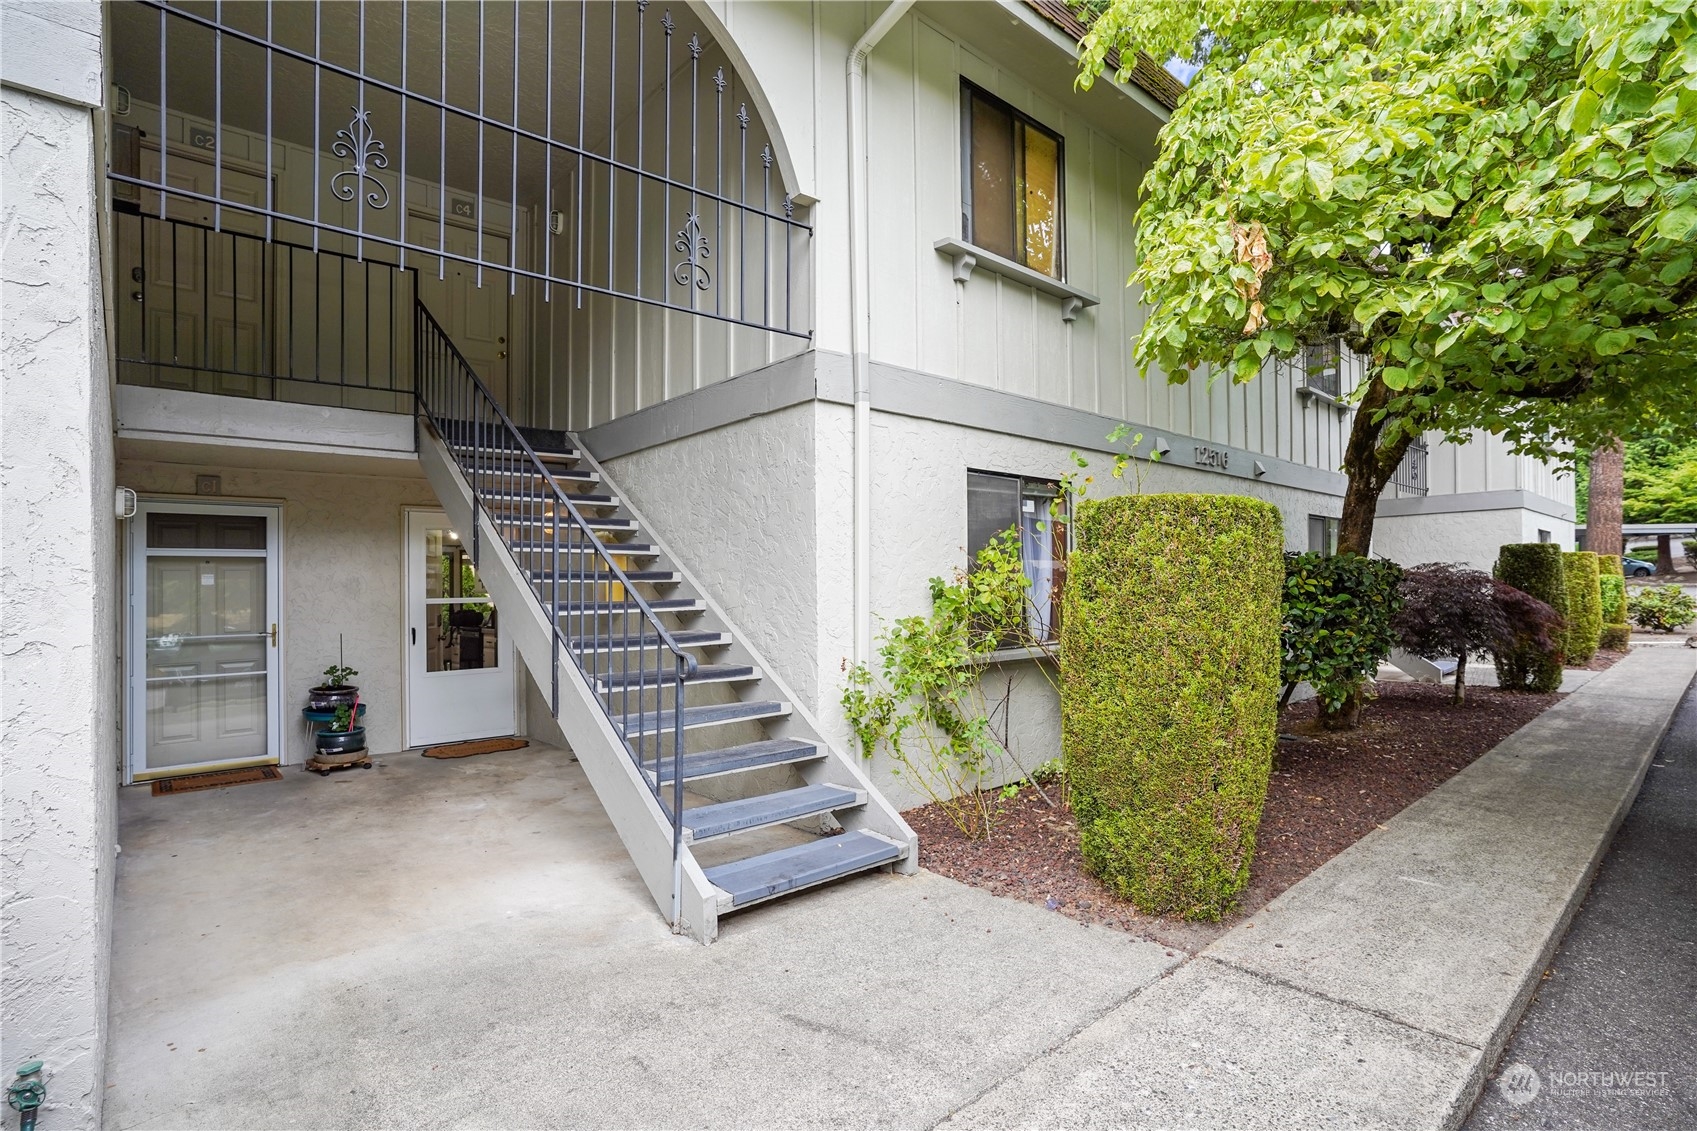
(1612, 1035)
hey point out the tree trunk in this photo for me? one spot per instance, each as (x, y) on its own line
(1664, 555)
(1603, 506)
(1369, 466)
(1460, 678)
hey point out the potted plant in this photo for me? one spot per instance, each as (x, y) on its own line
(335, 692)
(343, 736)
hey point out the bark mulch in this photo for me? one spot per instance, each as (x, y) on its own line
(1327, 791)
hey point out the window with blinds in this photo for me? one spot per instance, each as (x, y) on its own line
(1012, 191)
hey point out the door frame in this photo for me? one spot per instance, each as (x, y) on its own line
(504, 646)
(135, 633)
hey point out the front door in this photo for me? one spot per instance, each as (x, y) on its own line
(460, 681)
(203, 675)
(475, 317)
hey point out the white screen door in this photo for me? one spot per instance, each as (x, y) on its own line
(459, 663)
(204, 681)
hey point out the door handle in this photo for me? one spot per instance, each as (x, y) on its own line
(273, 634)
(415, 636)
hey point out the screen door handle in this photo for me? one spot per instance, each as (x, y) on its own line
(273, 634)
(415, 635)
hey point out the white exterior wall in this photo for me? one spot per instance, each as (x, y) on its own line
(58, 566)
(343, 572)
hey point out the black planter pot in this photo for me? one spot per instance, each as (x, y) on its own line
(323, 698)
(340, 741)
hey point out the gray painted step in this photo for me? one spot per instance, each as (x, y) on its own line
(749, 881)
(703, 822)
(614, 608)
(668, 674)
(705, 715)
(557, 455)
(628, 549)
(749, 756)
(595, 522)
(604, 577)
(700, 638)
(540, 496)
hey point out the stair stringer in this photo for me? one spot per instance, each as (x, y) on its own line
(637, 817)
(877, 815)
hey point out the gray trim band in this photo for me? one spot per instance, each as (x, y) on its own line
(1515, 500)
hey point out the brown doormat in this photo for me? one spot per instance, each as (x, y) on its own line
(218, 779)
(477, 746)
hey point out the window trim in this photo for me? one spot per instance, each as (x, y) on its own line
(969, 89)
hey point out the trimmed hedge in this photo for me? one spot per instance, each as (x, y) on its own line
(1534, 568)
(1612, 589)
(1169, 679)
(1584, 606)
(1615, 637)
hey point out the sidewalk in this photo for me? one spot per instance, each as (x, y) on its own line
(1379, 991)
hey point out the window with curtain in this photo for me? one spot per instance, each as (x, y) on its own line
(1012, 196)
(996, 502)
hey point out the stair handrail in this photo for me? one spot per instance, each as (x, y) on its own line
(686, 664)
(665, 636)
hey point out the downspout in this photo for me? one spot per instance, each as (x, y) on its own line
(860, 321)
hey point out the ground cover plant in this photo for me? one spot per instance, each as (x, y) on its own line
(1169, 682)
(1661, 608)
(1533, 660)
(1337, 613)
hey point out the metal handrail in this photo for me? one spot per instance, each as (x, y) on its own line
(506, 437)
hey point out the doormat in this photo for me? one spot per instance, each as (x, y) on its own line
(478, 746)
(218, 779)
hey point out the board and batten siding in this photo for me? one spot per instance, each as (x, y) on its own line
(999, 333)
(1488, 463)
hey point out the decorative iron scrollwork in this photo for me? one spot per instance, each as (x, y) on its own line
(358, 143)
(692, 241)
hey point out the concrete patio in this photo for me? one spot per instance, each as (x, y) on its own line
(464, 943)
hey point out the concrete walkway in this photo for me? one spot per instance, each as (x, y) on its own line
(462, 944)
(1611, 1040)
(1379, 991)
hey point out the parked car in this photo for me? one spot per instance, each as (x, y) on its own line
(1637, 567)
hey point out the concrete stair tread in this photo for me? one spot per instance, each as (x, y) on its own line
(703, 822)
(702, 715)
(748, 756)
(749, 881)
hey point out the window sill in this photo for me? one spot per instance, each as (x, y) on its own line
(1313, 394)
(1047, 652)
(967, 257)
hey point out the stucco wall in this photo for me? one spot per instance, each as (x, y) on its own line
(57, 567)
(343, 572)
(1469, 537)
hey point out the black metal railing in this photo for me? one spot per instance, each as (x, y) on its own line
(1410, 477)
(598, 617)
(239, 315)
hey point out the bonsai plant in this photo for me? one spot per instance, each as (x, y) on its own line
(343, 736)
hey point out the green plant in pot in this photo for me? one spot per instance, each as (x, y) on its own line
(344, 735)
(335, 692)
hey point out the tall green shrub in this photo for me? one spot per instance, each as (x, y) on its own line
(1534, 568)
(1611, 585)
(1584, 606)
(1169, 685)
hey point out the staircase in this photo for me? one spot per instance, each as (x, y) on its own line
(689, 739)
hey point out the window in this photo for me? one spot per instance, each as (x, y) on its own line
(1012, 200)
(1322, 368)
(1323, 534)
(996, 502)
(1543, 535)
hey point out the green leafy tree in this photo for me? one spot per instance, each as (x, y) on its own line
(1493, 201)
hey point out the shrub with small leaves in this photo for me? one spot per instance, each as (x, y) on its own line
(1450, 610)
(1615, 638)
(1612, 589)
(1662, 608)
(1533, 662)
(1535, 630)
(1584, 606)
(1337, 628)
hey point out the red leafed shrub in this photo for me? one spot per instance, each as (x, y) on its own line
(1535, 629)
(1450, 610)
